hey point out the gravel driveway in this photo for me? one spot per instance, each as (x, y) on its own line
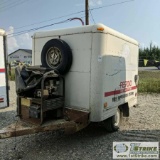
(91, 143)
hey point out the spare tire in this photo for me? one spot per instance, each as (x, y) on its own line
(56, 54)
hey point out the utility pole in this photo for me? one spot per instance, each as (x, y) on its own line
(86, 12)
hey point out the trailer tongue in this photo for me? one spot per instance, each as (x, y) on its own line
(76, 120)
(22, 128)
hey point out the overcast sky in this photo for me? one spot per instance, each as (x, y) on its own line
(138, 19)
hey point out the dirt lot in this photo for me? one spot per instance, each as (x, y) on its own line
(91, 143)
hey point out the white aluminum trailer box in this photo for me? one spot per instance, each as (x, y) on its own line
(100, 84)
(4, 99)
(104, 70)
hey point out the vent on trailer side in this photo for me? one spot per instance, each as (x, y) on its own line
(4, 98)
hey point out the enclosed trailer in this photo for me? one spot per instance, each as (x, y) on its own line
(104, 71)
(99, 68)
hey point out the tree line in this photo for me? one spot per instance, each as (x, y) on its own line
(150, 53)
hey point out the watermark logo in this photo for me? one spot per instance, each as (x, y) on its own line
(120, 148)
(135, 150)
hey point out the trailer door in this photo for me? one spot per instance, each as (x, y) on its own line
(4, 99)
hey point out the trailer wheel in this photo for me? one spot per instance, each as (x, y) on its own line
(158, 67)
(56, 54)
(113, 123)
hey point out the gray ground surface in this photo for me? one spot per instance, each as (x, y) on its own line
(91, 143)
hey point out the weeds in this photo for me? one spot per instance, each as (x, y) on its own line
(149, 81)
(12, 76)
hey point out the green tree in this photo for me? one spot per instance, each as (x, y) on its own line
(150, 53)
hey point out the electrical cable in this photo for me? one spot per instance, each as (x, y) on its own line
(37, 28)
(114, 4)
(92, 16)
(74, 13)
(49, 19)
(14, 5)
(33, 29)
(4, 2)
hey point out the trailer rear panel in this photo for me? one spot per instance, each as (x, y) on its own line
(104, 68)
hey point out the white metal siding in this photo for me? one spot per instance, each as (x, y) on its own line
(114, 60)
(21, 56)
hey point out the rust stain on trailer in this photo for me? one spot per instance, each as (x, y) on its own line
(76, 115)
(80, 117)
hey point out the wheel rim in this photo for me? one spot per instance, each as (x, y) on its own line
(53, 57)
(117, 118)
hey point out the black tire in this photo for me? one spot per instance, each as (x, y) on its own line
(110, 125)
(158, 67)
(53, 49)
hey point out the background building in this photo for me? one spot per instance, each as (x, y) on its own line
(22, 55)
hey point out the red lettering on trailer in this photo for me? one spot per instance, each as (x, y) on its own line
(125, 84)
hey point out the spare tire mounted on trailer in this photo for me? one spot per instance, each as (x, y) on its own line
(56, 54)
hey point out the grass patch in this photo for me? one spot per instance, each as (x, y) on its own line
(12, 76)
(149, 81)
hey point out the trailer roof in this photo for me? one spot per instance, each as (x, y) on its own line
(84, 29)
(2, 32)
